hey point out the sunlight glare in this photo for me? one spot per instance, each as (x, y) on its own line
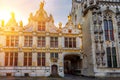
(4, 15)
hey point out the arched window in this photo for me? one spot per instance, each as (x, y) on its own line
(108, 28)
(109, 36)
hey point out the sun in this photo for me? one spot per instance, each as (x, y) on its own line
(4, 15)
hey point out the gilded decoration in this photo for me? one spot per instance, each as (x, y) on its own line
(10, 33)
(70, 35)
(11, 49)
(54, 60)
(12, 22)
(41, 14)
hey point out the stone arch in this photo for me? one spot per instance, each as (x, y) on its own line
(72, 63)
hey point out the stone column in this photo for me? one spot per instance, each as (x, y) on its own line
(20, 58)
(2, 58)
(34, 39)
(48, 65)
(20, 52)
(34, 59)
(21, 39)
(60, 41)
(47, 40)
(2, 43)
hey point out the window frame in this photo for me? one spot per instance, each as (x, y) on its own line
(12, 41)
(11, 59)
(28, 41)
(54, 42)
(108, 29)
(111, 53)
(41, 26)
(27, 59)
(70, 42)
(41, 41)
(54, 55)
(41, 59)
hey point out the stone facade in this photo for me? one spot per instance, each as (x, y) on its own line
(39, 48)
(99, 20)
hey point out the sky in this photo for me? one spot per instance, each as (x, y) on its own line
(60, 9)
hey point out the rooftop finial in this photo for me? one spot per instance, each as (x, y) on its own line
(42, 4)
(2, 23)
(12, 14)
(21, 23)
(69, 18)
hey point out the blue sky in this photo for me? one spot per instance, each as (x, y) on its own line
(22, 8)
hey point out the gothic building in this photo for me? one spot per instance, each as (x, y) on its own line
(100, 22)
(39, 48)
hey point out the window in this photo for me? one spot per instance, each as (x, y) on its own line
(70, 42)
(54, 42)
(41, 26)
(11, 59)
(108, 28)
(54, 55)
(27, 59)
(12, 41)
(28, 41)
(41, 59)
(6, 59)
(111, 57)
(41, 42)
(16, 59)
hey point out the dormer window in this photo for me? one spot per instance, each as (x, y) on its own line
(41, 26)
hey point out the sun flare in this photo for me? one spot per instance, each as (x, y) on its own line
(4, 15)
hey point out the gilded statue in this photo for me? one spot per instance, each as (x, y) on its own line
(42, 5)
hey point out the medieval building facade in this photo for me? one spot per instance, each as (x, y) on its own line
(87, 45)
(100, 22)
(39, 48)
